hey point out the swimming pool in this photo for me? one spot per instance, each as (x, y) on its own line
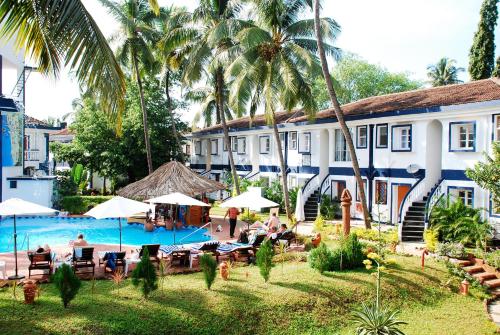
(60, 230)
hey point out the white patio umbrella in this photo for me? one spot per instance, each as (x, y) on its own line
(249, 199)
(299, 207)
(13, 207)
(118, 207)
(177, 199)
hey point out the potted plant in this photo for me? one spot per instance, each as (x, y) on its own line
(30, 290)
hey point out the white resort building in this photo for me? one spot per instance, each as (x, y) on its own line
(412, 147)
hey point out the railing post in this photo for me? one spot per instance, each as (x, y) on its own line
(346, 201)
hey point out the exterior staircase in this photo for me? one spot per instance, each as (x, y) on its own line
(311, 206)
(414, 221)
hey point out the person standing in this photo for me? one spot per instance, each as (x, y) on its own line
(233, 213)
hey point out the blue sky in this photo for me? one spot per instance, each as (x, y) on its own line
(401, 35)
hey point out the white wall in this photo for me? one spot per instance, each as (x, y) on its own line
(38, 191)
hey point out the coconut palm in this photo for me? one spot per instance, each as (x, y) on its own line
(275, 65)
(136, 20)
(57, 33)
(206, 97)
(444, 72)
(318, 27)
(208, 57)
(174, 40)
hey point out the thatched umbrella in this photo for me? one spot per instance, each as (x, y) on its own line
(169, 178)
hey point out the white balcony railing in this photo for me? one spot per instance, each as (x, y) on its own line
(32, 155)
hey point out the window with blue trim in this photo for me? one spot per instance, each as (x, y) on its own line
(293, 140)
(13, 184)
(341, 151)
(361, 137)
(306, 160)
(401, 138)
(214, 146)
(382, 136)
(464, 194)
(265, 144)
(305, 143)
(197, 148)
(462, 136)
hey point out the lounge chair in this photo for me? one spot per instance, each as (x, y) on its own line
(119, 261)
(285, 238)
(210, 247)
(83, 259)
(153, 250)
(177, 253)
(247, 250)
(40, 261)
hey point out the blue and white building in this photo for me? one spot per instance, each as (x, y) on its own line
(412, 147)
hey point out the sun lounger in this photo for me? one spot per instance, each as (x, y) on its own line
(208, 247)
(153, 252)
(246, 249)
(284, 238)
(83, 258)
(177, 253)
(40, 261)
(119, 260)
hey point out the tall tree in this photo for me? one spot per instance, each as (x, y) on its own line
(338, 112)
(444, 72)
(496, 71)
(207, 59)
(206, 96)
(57, 33)
(136, 20)
(482, 52)
(275, 64)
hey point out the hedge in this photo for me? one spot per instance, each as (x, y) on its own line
(79, 204)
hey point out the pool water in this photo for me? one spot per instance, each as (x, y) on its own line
(60, 230)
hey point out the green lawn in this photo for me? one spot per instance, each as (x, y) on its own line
(297, 300)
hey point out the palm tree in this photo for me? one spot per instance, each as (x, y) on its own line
(136, 20)
(318, 27)
(444, 72)
(275, 65)
(57, 33)
(174, 41)
(206, 97)
(207, 59)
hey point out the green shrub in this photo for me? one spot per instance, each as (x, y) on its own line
(265, 259)
(319, 224)
(349, 255)
(321, 258)
(454, 250)
(250, 217)
(81, 204)
(208, 265)
(431, 239)
(372, 320)
(493, 258)
(329, 208)
(67, 283)
(145, 274)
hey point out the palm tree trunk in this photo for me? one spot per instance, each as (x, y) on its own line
(340, 115)
(220, 103)
(144, 115)
(284, 178)
(178, 148)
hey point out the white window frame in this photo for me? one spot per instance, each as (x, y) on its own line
(379, 128)
(462, 136)
(242, 145)
(361, 139)
(282, 140)
(293, 140)
(306, 159)
(197, 147)
(466, 194)
(234, 144)
(304, 143)
(340, 149)
(265, 144)
(214, 146)
(401, 138)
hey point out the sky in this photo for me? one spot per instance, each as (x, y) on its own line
(400, 35)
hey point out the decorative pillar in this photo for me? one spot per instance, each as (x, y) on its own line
(345, 202)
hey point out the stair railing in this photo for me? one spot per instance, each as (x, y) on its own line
(413, 194)
(436, 194)
(252, 177)
(324, 186)
(310, 186)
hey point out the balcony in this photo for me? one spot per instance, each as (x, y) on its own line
(32, 155)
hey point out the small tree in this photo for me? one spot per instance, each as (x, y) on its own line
(321, 258)
(67, 283)
(208, 265)
(265, 259)
(145, 274)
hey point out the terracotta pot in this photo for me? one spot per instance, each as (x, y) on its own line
(148, 227)
(224, 271)
(30, 290)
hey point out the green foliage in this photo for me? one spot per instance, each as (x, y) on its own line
(444, 72)
(328, 208)
(249, 217)
(357, 79)
(319, 224)
(321, 258)
(63, 186)
(461, 274)
(431, 239)
(208, 265)
(275, 193)
(496, 71)
(349, 255)
(67, 283)
(493, 258)
(449, 249)
(79, 176)
(371, 320)
(79, 204)
(265, 259)
(457, 222)
(487, 174)
(482, 52)
(145, 275)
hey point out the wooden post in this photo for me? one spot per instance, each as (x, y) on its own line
(345, 202)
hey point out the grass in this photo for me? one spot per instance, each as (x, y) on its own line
(297, 300)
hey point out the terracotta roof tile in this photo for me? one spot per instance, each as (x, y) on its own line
(31, 121)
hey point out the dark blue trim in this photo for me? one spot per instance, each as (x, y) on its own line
(296, 139)
(468, 188)
(307, 183)
(304, 169)
(198, 166)
(491, 209)
(376, 136)
(310, 142)
(449, 137)
(392, 196)
(454, 175)
(493, 127)
(222, 167)
(392, 138)
(39, 126)
(217, 147)
(365, 182)
(358, 146)
(285, 134)
(268, 168)
(31, 178)
(371, 167)
(428, 202)
(377, 172)
(269, 138)
(8, 105)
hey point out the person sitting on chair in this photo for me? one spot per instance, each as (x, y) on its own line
(282, 229)
(80, 241)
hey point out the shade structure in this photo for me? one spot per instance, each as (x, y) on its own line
(118, 207)
(299, 207)
(177, 198)
(15, 206)
(249, 199)
(169, 178)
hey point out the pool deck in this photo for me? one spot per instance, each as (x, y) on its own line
(23, 261)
